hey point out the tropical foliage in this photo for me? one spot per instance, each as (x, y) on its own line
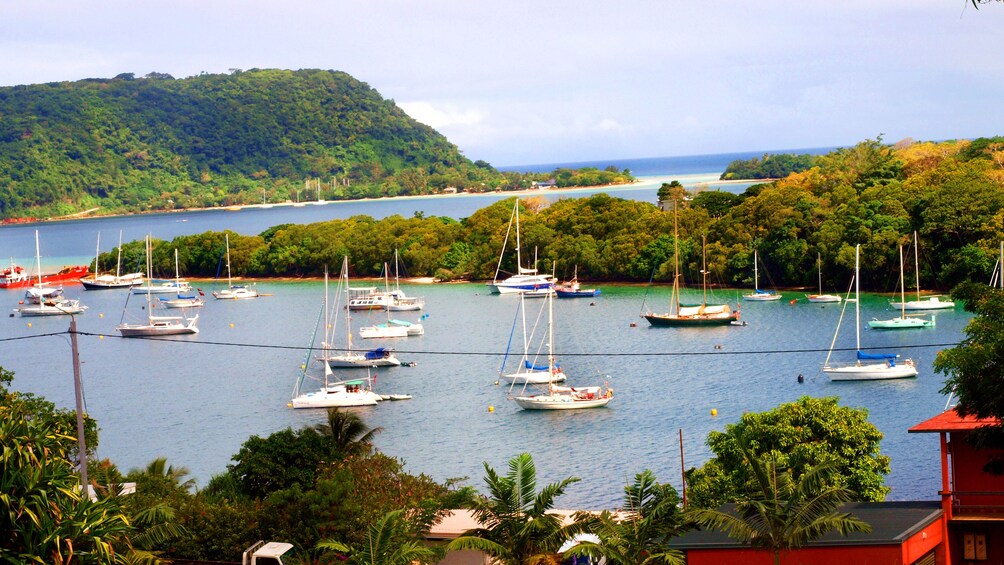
(770, 166)
(951, 193)
(134, 144)
(782, 511)
(518, 525)
(797, 436)
(639, 533)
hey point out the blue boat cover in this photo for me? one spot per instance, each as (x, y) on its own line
(378, 353)
(533, 367)
(887, 356)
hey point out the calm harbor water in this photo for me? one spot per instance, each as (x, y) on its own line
(195, 400)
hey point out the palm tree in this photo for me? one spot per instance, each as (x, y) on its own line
(388, 542)
(348, 432)
(782, 513)
(517, 527)
(637, 535)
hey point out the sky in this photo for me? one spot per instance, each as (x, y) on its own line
(517, 82)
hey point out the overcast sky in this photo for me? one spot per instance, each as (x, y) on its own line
(517, 83)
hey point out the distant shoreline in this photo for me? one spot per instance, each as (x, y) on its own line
(655, 181)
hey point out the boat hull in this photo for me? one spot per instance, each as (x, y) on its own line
(823, 298)
(360, 361)
(761, 297)
(669, 320)
(37, 310)
(138, 330)
(235, 293)
(930, 304)
(559, 402)
(66, 275)
(870, 372)
(584, 293)
(901, 324)
(322, 399)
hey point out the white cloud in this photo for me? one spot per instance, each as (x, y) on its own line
(442, 117)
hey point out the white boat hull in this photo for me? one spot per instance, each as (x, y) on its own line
(360, 360)
(823, 298)
(901, 324)
(235, 293)
(183, 303)
(335, 398)
(870, 371)
(933, 303)
(762, 297)
(560, 402)
(381, 332)
(35, 310)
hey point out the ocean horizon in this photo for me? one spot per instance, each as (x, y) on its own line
(662, 166)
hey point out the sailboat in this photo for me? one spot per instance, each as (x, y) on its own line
(526, 279)
(393, 328)
(40, 299)
(929, 303)
(156, 325)
(868, 366)
(528, 371)
(572, 288)
(399, 301)
(696, 316)
(333, 393)
(233, 292)
(759, 295)
(97, 281)
(181, 300)
(902, 322)
(347, 358)
(822, 298)
(562, 397)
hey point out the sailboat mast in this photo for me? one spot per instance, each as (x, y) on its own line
(857, 295)
(327, 334)
(118, 262)
(38, 260)
(704, 269)
(550, 339)
(916, 261)
(819, 270)
(230, 282)
(149, 277)
(756, 273)
(519, 260)
(902, 289)
(1001, 263)
(348, 311)
(397, 282)
(676, 261)
(97, 251)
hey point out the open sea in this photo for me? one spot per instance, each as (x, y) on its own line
(196, 399)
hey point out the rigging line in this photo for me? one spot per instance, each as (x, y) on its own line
(498, 353)
(17, 338)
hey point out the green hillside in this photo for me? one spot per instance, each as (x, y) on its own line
(132, 144)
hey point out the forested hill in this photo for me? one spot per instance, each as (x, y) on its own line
(132, 144)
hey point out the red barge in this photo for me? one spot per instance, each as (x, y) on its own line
(16, 276)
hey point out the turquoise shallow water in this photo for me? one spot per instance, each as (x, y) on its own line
(196, 400)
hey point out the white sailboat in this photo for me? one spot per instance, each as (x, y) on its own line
(759, 295)
(233, 292)
(867, 366)
(821, 297)
(399, 301)
(98, 281)
(181, 300)
(526, 280)
(348, 358)
(333, 393)
(903, 322)
(562, 397)
(929, 303)
(41, 299)
(156, 325)
(392, 328)
(528, 372)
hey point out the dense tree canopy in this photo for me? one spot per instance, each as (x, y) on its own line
(797, 436)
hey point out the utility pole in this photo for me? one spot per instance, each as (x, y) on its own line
(81, 443)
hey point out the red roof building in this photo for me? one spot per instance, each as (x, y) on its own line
(972, 495)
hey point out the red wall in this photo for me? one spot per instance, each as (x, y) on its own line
(968, 475)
